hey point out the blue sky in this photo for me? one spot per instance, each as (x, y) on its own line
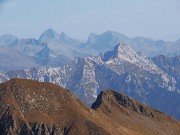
(158, 19)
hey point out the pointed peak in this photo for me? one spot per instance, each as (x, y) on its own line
(123, 47)
(124, 53)
(121, 50)
(49, 33)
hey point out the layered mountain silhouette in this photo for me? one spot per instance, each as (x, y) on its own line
(97, 43)
(32, 107)
(121, 69)
(56, 49)
(51, 49)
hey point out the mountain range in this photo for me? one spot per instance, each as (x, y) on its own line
(153, 81)
(149, 47)
(51, 49)
(33, 108)
(56, 49)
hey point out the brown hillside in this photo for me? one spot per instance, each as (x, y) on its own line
(33, 108)
(136, 116)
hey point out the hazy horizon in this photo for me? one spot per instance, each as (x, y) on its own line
(151, 19)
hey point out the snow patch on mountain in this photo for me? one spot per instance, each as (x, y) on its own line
(89, 78)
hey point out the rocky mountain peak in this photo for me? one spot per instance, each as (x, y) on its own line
(123, 49)
(49, 34)
(124, 53)
(119, 50)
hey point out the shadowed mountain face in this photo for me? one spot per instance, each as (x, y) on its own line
(34, 108)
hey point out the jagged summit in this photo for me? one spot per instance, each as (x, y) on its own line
(124, 53)
(123, 49)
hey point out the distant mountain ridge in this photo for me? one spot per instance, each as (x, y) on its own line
(121, 69)
(57, 49)
(51, 49)
(151, 48)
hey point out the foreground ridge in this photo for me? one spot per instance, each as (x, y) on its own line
(141, 118)
(32, 107)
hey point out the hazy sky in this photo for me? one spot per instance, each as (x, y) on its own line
(158, 19)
